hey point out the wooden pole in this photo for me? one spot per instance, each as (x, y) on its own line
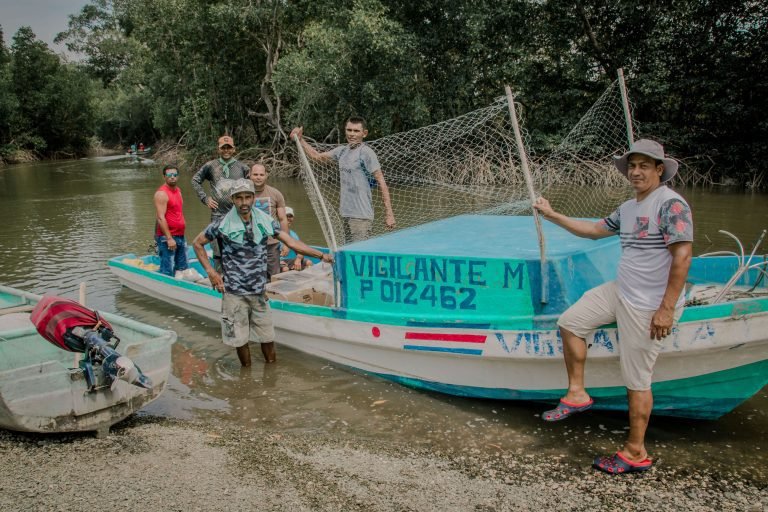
(625, 106)
(81, 294)
(532, 194)
(325, 221)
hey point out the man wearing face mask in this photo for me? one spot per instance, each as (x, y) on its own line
(225, 167)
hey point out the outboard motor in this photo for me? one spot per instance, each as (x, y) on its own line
(75, 328)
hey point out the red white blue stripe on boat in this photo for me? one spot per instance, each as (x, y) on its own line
(454, 343)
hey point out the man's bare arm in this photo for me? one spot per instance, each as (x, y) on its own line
(582, 228)
(161, 207)
(661, 323)
(389, 218)
(302, 248)
(199, 246)
(309, 150)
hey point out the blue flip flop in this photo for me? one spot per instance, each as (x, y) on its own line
(565, 409)
(617, 464)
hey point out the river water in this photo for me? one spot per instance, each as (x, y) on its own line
(62, 220)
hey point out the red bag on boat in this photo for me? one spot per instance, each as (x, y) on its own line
(55, 317)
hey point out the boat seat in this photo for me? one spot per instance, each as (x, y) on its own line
(17, 309)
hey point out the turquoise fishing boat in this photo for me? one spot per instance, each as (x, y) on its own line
(464, 295)
(419, 309)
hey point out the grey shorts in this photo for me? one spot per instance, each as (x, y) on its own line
(246, 318)
(637, 351)
(357, 229)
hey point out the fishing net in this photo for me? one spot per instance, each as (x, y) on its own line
(471, 164)
(578, 177)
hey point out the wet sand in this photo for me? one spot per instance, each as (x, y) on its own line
(158, 464)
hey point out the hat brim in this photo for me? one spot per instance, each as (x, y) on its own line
(240, 190)
(670, 164)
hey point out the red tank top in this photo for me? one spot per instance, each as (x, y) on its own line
(174, 215)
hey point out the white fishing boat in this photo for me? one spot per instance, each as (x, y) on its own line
(46, 389)
(423, 311)
(464, 297)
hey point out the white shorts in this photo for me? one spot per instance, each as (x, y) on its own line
(637, 351)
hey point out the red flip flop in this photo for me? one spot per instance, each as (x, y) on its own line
(565, 409)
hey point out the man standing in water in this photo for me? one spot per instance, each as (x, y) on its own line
(270, 201)
(170, 224)
(645, 300)
(224, 167)
(242, 234)
(357, 163)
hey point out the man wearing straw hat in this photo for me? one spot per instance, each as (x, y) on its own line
(242, 235)
(645, 300)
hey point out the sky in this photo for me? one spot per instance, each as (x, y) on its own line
(46, 17)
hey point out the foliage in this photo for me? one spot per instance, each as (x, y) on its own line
(343, 65)
(189, 70)
(44, 104)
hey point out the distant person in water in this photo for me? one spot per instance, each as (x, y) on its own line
(357, 164)
(141, 146)
(170, 224)
(289, 259)
(213, 171)
(645, 300)
(242, 234)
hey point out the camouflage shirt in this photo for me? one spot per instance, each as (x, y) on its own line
(244, 264)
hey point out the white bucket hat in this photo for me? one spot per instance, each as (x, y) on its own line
(652, 149)
(289, 211)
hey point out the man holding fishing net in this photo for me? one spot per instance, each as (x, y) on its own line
(645, 300)
(357, 165)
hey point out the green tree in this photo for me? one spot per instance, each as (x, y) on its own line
(355, 61)
(8, 102)
(54, 110)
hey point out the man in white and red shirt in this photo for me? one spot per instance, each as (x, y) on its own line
(645, 300)
(170, 225)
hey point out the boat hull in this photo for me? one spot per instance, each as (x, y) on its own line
(713, 361)
(42, 390)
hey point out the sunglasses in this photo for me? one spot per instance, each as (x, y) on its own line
(171, 174)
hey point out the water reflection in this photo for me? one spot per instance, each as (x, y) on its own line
(63, 220)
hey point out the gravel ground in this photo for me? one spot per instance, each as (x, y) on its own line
(155, 464)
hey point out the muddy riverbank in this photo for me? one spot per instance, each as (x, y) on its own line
(151, 463)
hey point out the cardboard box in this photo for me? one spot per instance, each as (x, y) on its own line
(322, 299)
(289, 291)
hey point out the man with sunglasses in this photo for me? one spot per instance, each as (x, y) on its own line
(170, 224)
(242, 235)
(225, 167)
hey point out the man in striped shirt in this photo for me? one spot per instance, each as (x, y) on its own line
(645, 300)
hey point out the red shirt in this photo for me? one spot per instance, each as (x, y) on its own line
(174, 215)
